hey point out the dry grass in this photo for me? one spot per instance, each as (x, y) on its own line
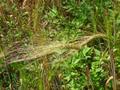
(31, 53)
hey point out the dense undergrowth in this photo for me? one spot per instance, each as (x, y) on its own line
(94, 65)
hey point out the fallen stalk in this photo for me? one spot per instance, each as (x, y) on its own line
(32, 53)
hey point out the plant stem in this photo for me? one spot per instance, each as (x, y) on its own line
(112, 60)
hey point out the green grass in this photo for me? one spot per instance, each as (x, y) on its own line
(70, 46)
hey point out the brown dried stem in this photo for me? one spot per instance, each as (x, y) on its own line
(32, 53)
